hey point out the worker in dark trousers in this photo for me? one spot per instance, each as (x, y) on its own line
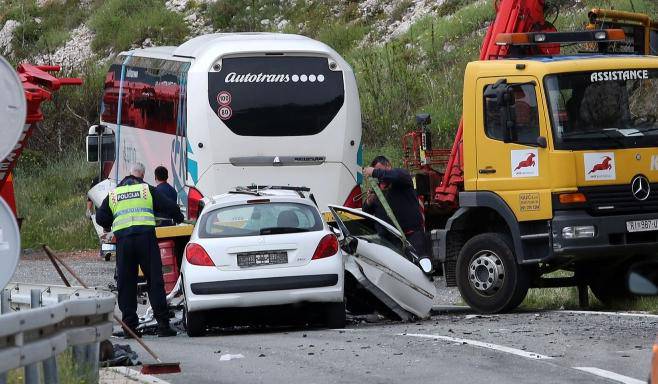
(128, 211)
(398, 188)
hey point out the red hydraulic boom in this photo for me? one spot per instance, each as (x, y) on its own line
(512, 16)
(39, 86)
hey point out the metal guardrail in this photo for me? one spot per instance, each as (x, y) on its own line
(39, 322)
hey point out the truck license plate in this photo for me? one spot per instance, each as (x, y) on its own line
(642, 225)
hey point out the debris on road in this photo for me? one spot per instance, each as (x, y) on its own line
(229, 357)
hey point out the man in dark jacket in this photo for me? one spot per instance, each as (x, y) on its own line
(162, 186)
(398, 188)
(128, 211)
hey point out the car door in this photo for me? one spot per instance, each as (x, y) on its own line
(376, 258)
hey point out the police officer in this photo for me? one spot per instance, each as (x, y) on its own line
(128, 211)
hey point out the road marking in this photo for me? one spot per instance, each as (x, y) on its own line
(627, 314)
(496, 347)
(610, 375)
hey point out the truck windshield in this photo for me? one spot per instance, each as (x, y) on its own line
(604, 109)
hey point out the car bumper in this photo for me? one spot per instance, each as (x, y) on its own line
(611, 238)
(210, 288)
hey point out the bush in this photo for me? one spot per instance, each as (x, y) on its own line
(118, 24)
(51, 200)
(44, 28)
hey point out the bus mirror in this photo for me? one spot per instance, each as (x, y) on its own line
(541, 142)
(107, 148)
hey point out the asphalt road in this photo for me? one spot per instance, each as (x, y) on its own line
(455, 346)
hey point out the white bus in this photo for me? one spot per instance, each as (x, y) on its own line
(227, 110)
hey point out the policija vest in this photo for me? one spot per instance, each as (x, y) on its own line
(131, 205)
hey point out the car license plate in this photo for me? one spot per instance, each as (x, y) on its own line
(642, 225)
(256, 259)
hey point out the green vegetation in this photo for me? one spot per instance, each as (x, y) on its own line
(45, 28)
(120, 23)
(567, 298)
(51, 199)
(67, 372)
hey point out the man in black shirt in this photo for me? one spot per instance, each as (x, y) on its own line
(398, 188)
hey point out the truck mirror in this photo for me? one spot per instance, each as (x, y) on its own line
(423, 119)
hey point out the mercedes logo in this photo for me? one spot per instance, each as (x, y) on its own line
(640, 187)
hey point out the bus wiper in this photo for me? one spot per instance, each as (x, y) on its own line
(279, 230)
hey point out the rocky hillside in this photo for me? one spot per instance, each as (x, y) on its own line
(409, 55)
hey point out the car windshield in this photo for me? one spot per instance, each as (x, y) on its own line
(259, 219)
(604, 109)
(370, 231)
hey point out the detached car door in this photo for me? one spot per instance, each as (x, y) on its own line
(376, 258)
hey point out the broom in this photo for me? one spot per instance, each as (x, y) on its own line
(156, 368)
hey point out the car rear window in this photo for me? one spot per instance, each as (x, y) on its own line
(259, 219)
(276, 95)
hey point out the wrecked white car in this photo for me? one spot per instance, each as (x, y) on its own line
(381, 270)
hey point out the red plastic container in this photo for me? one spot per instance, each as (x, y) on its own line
(170, 270)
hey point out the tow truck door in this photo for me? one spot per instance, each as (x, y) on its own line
(375, 257)
(514, 166)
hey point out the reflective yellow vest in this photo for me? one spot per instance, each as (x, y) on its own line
(131, 205)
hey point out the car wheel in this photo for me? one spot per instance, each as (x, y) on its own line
(335, 315)
(488, 277)
(194, 323)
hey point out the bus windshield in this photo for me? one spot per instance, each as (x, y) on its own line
(604, 109)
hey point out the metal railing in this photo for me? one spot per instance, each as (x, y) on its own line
(40, 322)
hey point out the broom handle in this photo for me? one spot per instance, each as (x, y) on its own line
(50, 253)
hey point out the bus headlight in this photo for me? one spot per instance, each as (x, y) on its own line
(579, 232)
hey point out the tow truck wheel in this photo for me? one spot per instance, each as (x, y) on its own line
(488, 277)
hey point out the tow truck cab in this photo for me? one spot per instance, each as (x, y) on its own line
(560, 172)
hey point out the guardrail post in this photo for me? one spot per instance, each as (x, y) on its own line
(50, 371)
(5, 295)
(32, 370)
(92, 352)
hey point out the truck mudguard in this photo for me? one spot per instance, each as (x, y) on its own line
(472, 200)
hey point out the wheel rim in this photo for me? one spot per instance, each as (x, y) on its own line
(486, 273)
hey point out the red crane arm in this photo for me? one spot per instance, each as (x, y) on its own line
(512, 16)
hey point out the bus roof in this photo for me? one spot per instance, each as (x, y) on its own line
(218, 44)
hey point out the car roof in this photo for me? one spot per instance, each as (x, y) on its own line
(241, 197)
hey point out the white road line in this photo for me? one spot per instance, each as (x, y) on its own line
(627, 314)
(501, 348)
(610, 375)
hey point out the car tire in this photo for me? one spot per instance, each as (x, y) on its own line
(335, 315)
(488, 276)
(194, 323)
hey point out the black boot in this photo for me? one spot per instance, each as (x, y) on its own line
(164, 330)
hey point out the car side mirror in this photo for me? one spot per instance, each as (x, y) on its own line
(425, 265)
(643, 279)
